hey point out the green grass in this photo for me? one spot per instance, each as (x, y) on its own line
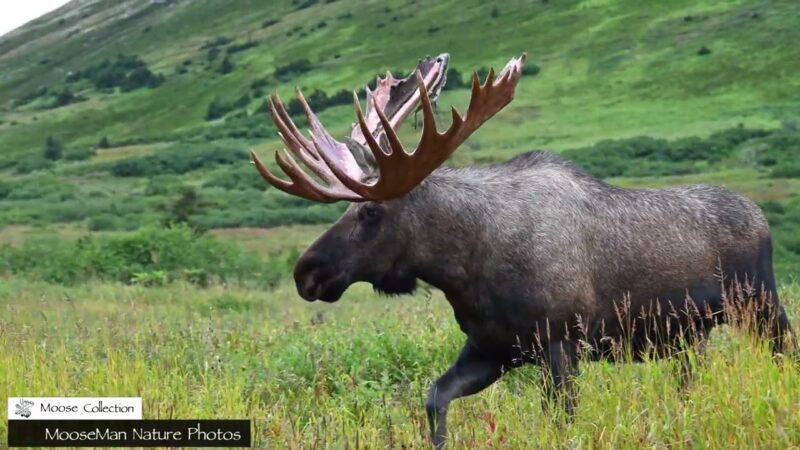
(609, 70)
(358, 371)
(355, 374)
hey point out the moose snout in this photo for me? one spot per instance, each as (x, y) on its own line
(307, 273)
(317, 278)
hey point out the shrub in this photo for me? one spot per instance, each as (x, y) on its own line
(647, 156)
(236, 48)
(32, 164)
(166, 254)
(79, 154)
(216, 42)
(31, 96)
(176, 161)
(219, 108)
(269, 22)
(105, 222)
(531, 70)
(64, 98)
(226, 66)
(292, 69)
(127, 72)
(786, 171)
(454, 80)
(53, 149)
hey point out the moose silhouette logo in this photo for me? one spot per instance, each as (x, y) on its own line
(24, 408)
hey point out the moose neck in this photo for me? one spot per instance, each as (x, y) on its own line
(449, 218)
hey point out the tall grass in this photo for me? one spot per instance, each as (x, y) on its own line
(355, 374)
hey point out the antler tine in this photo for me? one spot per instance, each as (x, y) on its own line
(289, 187)
(356, 185)
(400, 172)
(428, 116)
(397, 150)
(302, 185)
(301, 179)
(291, 139)
(290, 127)
(325, 143)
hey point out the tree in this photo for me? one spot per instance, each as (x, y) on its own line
(454, 80)
(226, 66)
(188, 204)
(63, 98)
(104, 142)
(53, 149)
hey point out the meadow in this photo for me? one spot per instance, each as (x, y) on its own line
(141, 254)
(355, 374)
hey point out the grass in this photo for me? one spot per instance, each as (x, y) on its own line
(609, 70)
(355, 374)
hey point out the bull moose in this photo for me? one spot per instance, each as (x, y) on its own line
(540, 261)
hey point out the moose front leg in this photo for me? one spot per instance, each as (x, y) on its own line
(471, 373)
(562, 360)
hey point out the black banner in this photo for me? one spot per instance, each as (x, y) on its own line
(129, 433)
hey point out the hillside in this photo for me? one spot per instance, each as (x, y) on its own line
(142, 255)
(133, 137)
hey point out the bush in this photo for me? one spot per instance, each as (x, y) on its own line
(226, 66)
(64, 98)
(31, 96)
(786, 171)
(454, 79)
(647, 156)
(166, 254)
(53, 149)
(32, 164)
(79, 154)
(105, 222)
(531, 70)
(176, 161)
(127, 72)
(219, 108)
(236, 48)
(292, 69)
(216, 42)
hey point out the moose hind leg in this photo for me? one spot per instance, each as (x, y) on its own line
(772, 321)
(471, 373)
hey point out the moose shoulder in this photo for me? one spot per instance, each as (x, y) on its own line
(539, 260)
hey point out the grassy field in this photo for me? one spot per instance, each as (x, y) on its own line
(355, 374)
(690, 91)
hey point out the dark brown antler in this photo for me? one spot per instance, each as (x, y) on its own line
(399, 171)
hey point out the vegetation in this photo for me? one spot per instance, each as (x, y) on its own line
(359, 371)
(126, 72)
(142, 244)
(53, 149)
(176, 161)
(163, 254)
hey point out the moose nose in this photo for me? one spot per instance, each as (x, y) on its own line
(308, 276)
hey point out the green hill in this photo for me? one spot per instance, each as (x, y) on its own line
(155, 103)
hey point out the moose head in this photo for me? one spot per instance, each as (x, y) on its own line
(372, 169)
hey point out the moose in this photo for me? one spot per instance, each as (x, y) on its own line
(541, 262)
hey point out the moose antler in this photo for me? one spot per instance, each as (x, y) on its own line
(399, 171)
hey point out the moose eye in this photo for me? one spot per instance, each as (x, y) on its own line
(370, 213)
